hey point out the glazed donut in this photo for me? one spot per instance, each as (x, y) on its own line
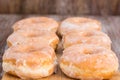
(78, 23)
(29, 61)
(42, 23)
(89, 37)
(88, 61)
(30, 36)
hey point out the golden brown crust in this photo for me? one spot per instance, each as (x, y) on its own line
(78, 23)
(26, 52)
(42, 23)
(88, 61)
(30, 36)
(27, 73)
(31, 57)
(90, 37)
(30, 54)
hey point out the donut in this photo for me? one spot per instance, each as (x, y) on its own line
(30, 36)
(42, 23)
(88, 61)
(78, 23)
(29, 61)
(89, 37)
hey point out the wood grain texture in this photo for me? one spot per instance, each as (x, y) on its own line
(61, 7)
(110, 25)
(5, 28)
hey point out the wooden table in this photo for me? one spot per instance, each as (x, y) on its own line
(110, 24)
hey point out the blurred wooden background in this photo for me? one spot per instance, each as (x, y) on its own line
(61, 7)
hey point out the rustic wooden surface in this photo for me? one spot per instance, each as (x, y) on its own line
(110, 24)
(61, 7)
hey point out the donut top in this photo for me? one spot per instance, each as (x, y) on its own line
(96, 37)
(76, 23)
(30, 55)
(24, 36)
(33, 33)
(90, 56)
(80, 20)
(36, 22)
(87, 33)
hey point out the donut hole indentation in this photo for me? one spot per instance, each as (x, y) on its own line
(88, 34)
(32, 35)
(86, 51)
(38, 21)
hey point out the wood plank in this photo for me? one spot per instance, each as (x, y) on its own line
(115, 34)
(10, 6)
(110, 26)
(61, 7)
(5, 27)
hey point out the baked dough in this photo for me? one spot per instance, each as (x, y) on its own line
(29, 61)
(42, 23)
(30, 36)
(78, 23)
(87, 61)
(90, 37)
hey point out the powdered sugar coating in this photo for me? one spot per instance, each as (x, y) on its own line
(89, 37)
(24, 60)
(88, 61)
(37, 37)
(77, 23)
(41, 23)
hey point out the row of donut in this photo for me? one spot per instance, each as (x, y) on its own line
(87, 51)
(31, 52)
